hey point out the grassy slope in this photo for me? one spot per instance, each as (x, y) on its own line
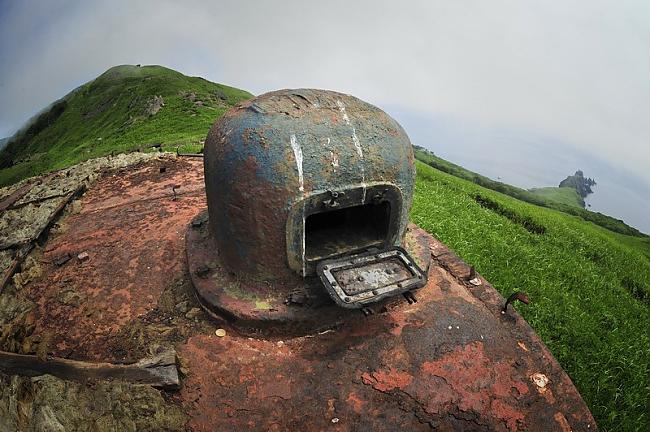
(605, 221)
(563, 195)
(589, 287)
(109, 114)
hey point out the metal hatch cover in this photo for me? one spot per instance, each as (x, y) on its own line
(356, 280)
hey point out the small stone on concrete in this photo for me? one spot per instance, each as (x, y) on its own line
(540, 380)
(62, 260)
(193, 313)
(183, 306)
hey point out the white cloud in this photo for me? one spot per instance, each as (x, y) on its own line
(578, 71)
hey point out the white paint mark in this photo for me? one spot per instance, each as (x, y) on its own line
(346, 119)
(297, 152)
(304, 228)
(335, 160)
(357, 145)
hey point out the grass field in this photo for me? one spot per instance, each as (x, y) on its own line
(589, 287)
(112, 114)
(604, 221)
(562, 195)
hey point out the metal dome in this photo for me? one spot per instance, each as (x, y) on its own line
(297, 176)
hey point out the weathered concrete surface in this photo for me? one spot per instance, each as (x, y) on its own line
(47, 403)
(22, 225)
(29, 208)
(451, 361)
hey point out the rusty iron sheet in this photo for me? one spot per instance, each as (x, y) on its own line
(133, 232)
(16, 195)
(451, 361)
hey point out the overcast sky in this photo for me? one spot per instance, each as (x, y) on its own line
(577, 72)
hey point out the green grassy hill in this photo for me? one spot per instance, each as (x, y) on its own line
(124, 108)
(589, 287)
(562, 195)
(556, 202)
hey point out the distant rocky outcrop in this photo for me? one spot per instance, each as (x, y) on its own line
(154, 105)
(580, 183)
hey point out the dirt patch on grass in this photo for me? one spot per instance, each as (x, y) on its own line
(526, 222)
(636, 290)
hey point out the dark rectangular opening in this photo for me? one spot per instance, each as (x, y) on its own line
(350, 229)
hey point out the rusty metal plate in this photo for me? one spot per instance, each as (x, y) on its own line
(450, 362)
(357, 280)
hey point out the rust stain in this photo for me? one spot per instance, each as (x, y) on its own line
(386, 380)
(135, 241)
(470, 368)
(356, 403)
(448, 362)
(562, 421)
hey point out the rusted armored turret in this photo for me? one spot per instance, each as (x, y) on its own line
(295, 177)
(303, 183)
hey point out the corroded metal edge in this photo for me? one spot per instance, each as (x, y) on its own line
(292, 305)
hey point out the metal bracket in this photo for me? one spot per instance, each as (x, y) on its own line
(333, 202)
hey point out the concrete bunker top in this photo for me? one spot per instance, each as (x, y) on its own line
(297, 176)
